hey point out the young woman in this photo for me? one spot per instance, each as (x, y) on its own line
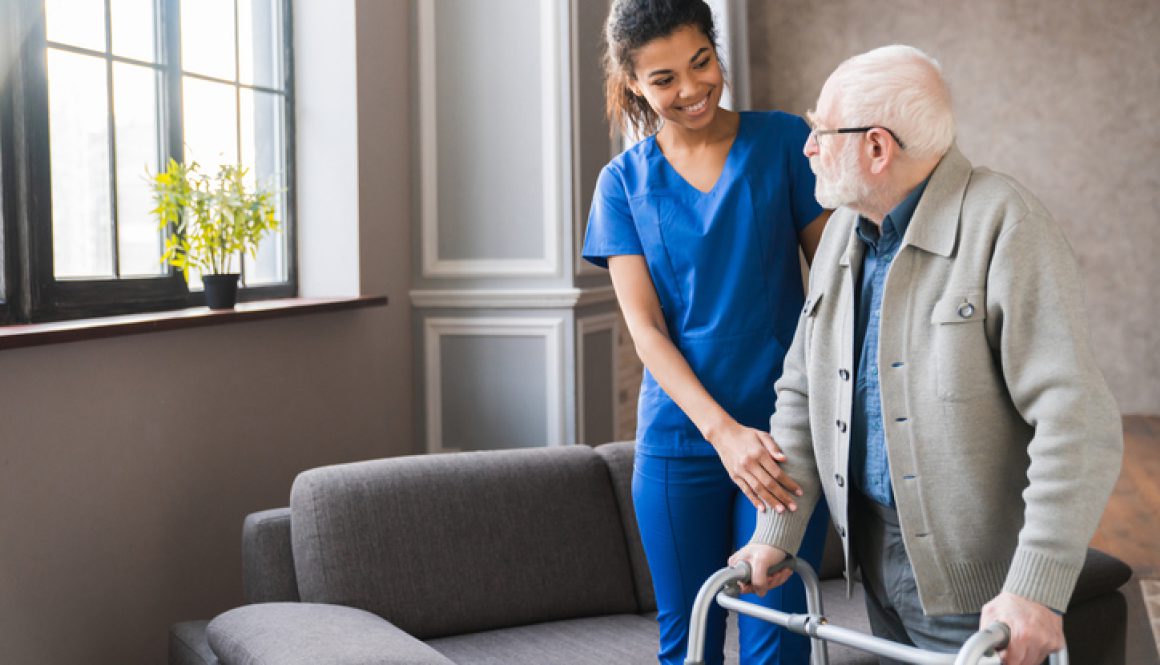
(700, 225)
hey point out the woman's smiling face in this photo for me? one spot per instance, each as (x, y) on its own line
(680, 77)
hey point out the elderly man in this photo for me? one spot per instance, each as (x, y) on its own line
(940, 390)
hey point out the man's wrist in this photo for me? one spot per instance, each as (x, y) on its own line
(1037, 602)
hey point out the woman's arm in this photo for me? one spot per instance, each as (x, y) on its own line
(811, 235)
(750, 456)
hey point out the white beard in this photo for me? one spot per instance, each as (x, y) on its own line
(848, 188)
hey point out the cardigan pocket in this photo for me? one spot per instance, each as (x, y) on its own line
(965, 365)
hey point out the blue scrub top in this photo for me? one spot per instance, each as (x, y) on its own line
(724, 264)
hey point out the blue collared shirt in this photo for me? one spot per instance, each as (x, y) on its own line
(869, 466)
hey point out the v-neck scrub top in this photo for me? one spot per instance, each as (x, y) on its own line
(724, 264)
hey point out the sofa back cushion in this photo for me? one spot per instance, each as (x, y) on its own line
(454, 543)
(619, 459)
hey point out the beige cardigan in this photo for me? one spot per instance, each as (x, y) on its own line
(1004, 441)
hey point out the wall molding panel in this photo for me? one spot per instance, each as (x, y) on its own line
(610, 323)
(551, 330)
(511, 298)
(552, 137)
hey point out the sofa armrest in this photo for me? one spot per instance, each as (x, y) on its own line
(1102, 573)
(267, 558)
(188, 645)
(310, 633)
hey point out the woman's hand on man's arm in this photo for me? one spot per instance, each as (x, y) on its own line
(752, 459)
(750, 456)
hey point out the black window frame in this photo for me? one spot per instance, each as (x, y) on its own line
(31, 293)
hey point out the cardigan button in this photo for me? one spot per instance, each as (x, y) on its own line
(841, 532)
(966, 310)
(844, 374)
(841, 426)
(839, 479)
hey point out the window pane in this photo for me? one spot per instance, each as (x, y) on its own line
(270, 265)
(262, 135)
(133, 32)
(3, 239)
(78, 124)
(211, 129)
(207, 38)
(260, 42)
(135, 107)
(262, 154)
(76, 22)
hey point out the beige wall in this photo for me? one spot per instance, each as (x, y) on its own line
(127, 464)
(1061, 95)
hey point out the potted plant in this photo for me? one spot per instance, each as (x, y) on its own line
(208, 221)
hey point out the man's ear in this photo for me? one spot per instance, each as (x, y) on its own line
(879, 150)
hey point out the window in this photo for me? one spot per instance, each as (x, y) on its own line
(104, 92)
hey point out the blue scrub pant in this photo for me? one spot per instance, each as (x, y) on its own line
(691, 518)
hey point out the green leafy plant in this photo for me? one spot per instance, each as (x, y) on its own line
(208, 221)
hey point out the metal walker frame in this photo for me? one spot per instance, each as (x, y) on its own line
(724, 588)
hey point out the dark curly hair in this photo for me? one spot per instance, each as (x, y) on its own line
(632, 24)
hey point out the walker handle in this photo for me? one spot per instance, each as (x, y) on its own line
(993, 637)
(728, 581)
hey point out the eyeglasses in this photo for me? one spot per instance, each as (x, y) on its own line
(860, 130)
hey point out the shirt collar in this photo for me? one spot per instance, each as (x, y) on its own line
(896, 221)
(938, 213)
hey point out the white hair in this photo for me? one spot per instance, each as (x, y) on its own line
(901, 88)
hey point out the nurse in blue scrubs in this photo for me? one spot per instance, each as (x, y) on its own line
(700, 225)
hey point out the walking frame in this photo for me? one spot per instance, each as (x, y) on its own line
(724, 588)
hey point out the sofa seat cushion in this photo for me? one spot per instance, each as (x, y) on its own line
(628, 639)
(308, 634)
(625, 639)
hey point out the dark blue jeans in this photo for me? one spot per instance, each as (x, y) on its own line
(692, 517)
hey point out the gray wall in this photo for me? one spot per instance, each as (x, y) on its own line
(1061, 95)
(127, 464)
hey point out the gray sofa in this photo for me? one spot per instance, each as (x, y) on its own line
(520, 556)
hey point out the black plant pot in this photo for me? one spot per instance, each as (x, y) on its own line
(221, 291)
